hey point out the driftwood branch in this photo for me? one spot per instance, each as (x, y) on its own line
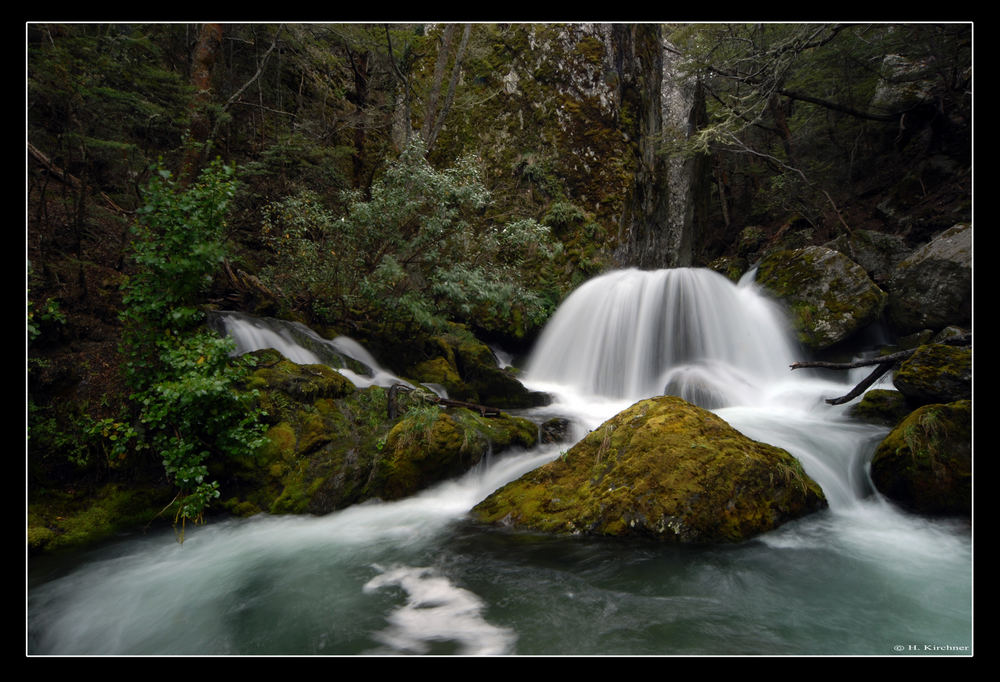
(884, 364)
(863, 386)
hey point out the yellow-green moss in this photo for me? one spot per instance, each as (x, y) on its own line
(664, 469)
(925, 463)
(62, 519)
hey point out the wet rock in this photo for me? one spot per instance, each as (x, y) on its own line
(935, 373)
(429, 445)
(881, 406)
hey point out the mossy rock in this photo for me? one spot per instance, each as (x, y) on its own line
(936, 373)
(925, 463)
(317, 458)
(468, 370)
(301, 382)
(881, 406)
(877, 252)
(70, 519)
(431, 444)
(662, 469)
(442, 372)
(830, 298)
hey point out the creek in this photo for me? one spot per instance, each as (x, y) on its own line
(417, 577)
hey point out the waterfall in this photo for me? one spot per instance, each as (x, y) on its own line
(690, 332)
(415, 577)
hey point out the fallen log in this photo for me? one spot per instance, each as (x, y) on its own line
(863, 385)
(961, 340)
(884, 364)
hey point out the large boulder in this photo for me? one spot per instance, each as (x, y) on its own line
(829, 296)
(925, 463)
(935, 373)
(877, 252)
(932, 288)
(661, 469)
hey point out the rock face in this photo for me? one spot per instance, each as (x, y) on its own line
(830, 297)
(878, 253)
(932, 288)
(936, 373)
(661, 469)
(925, 463)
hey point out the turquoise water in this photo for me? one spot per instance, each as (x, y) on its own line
(416, 577)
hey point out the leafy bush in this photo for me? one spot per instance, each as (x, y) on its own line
(183, 380)
(416, 251)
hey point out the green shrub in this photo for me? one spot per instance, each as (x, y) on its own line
(417, 251)
(182, 378)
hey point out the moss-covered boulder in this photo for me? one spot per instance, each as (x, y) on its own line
(935, 373)
(932, 288)
(318, 457)
(925, 463)
(661, 469)
(306, 382)
(77, 516)
(469, 371)
(829, 296)
(430, 444)
(881, 406)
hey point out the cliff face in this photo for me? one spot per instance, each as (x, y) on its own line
(580, 116)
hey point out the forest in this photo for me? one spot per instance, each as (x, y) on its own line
(428, 190)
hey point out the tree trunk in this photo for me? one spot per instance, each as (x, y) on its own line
(203, 59)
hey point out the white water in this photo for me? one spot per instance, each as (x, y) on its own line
(413, 577)
(302, 345)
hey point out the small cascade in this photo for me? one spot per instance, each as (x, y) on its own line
(302, 345)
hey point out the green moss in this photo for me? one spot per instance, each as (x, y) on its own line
(63, 519)
(829, 297)
(880, 406)
(430, 444)
(936, 373)
(925, 463)
(662, 469)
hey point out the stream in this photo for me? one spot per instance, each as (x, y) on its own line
(417, 577)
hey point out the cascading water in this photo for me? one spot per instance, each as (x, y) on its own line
(689, 332)
(414, 577)
(302, 345)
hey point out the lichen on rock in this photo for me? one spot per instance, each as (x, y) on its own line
(830, 297)
(936, 373)
(932, 287)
